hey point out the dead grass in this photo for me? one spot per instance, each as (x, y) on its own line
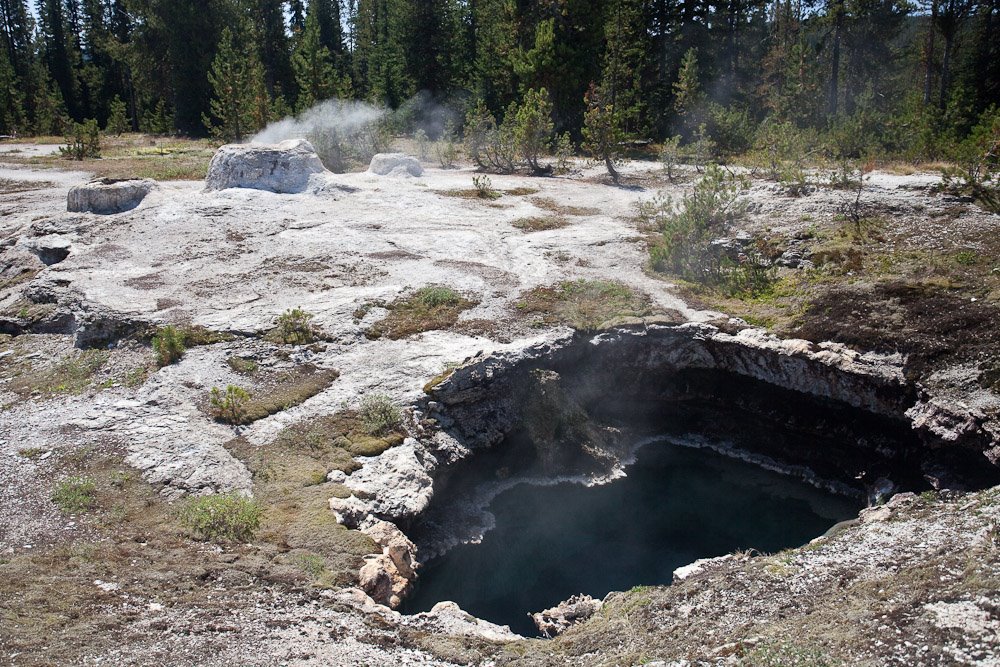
(541, 223)
(553, 206)
(428, 309)
(71, 375)
(8, 186)
(136, 156)
(584, 304)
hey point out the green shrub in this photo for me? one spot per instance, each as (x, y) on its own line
(686, 227)
(228, 517)
(670, 156)
(977, 158)
(445, 149)
(168, 344)
(484, 187)
(563, 153)
(490, 146)
(295, 328)
(75, 494)
(83, 141)
(229, 406)
(533, 128)
(731, 129)
(379, 414)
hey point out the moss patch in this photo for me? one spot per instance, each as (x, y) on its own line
(428, 309)
(584, 304)
(286, 389)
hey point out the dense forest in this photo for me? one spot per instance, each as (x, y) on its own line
(905, 79)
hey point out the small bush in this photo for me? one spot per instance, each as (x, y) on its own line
(168, 344)
(295, 328)
(445, 149)
(75, 494)
(228, 517)
(687, 227)
(490, 146)
(563, 153)
(532, 128)
(670, 156)
(484, 187)
(379, 414)
(229, 406)
(83, 141)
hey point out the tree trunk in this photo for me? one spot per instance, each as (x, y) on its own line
(929, 53)
(838, 28)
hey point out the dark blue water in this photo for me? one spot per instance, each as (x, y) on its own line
(676, 505)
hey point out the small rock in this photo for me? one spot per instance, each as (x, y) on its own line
(558, 619)
(395, 164)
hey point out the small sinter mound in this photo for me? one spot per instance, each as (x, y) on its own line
(283, 168)
(106, 196)
(395, 164)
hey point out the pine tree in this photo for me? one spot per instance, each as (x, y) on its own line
(687, 92)
(602, 130)
(117, 118)
(12, 120)
(314, 72)
(241, 106)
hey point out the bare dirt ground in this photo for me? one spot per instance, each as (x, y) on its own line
(123, 583)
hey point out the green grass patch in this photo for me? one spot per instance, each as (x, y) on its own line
(75, 494)
(584, 304)
(428, 309)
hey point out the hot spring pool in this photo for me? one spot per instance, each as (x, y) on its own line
(677, 504)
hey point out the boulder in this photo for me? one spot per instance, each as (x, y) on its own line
(284, 168)
(395, 164)
(106, 195)
(560, 618)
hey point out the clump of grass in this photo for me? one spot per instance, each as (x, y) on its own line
(228, 517)
(540, 223)
(379, 414)
(242, 365)
(30, 452)
(229, 406)
(584, 304)
(294, 327)
(967, 258)
(429, 308)
(75, 494)
(168, 345)
(310, 564)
